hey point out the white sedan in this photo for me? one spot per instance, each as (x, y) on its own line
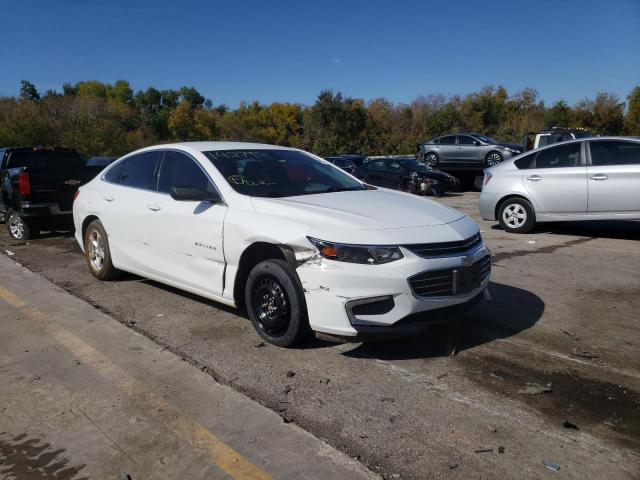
(296, 241)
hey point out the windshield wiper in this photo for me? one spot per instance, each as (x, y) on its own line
(342, 189)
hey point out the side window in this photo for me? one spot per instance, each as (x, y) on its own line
(376, 165)
(394, 165)
(179, 170)
(614, 152)
(524, 162)
(561, 156)
(139, 171)
(435, 141)
(448, 140)
(113, 174)
(466, 140)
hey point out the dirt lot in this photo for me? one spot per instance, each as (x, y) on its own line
(564, 317)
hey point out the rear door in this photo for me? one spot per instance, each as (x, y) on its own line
(376, 172)
(186, 236)
(394, 172)
(557, 180)
(447, 149)
(614, 177)
(128, 197)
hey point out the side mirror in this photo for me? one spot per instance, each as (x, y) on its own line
(190, 194)
(476, 143)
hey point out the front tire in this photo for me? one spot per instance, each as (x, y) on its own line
(275, 302)
(97, 252)
(516, 215)
(431, 159)
(493, 158)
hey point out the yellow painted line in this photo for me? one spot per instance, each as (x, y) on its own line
(200, 438)
(11, 298)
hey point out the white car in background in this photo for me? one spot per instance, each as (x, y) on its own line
(298, 242)
(586, 179)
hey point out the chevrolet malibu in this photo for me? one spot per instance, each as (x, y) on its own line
(302, 245)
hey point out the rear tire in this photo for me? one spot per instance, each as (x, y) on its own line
(516, 215)
(19, 228)
(97, 252)
(276, 305)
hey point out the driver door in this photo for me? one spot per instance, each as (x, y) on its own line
(187, 235)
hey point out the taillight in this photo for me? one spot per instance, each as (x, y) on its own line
(75, 195)
(487, 177)
(24, 184)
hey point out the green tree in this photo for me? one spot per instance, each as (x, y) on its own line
(28, 91)
(632, 117)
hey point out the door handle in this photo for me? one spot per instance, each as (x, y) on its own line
(599, 177)
(534, 178)
(154, 207)
(109, 197)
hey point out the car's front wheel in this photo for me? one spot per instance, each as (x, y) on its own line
(275, 303)
(431, 159)
(493, 158)
(516, 215)
(98, 253)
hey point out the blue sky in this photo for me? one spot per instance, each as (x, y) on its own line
(291, 50)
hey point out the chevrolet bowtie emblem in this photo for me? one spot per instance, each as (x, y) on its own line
(72, 182)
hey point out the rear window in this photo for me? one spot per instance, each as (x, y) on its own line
(44, 158)
(614, 152)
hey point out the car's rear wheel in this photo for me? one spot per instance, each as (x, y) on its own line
(493, 158)
(19, 228)
(431, 159)
(98, 253)
(275, 302)
(516, 215)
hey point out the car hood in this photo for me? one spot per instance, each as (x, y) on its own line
(364, 216)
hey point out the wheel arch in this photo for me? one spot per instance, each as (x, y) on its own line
(510, 196)
(85, 223)
(255, 253)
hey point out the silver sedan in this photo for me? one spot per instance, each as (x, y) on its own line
(589, 179)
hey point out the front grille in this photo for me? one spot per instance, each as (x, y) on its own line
(428, 250)
(451, 281)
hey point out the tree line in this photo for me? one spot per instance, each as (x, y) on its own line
(99, 118)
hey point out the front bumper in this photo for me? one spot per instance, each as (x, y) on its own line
(335, 290)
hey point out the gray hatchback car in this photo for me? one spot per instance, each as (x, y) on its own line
(587, 179)
(470, 150)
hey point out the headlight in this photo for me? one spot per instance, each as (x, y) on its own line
(512, 150)
(367, 254)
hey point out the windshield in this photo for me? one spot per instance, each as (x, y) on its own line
(279, 173)
(485, 139)
(583, 134)
(414, 165)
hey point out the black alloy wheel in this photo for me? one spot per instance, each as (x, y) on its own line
(270, 305)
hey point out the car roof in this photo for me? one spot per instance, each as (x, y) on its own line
(211, 146)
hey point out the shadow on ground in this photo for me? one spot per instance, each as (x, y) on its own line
(615, 229)
(511, 311)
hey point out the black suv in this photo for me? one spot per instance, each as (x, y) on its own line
(465, 150)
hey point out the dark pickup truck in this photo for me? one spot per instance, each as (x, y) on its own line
(37, 187)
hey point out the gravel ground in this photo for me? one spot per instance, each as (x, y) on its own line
(546, 371)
